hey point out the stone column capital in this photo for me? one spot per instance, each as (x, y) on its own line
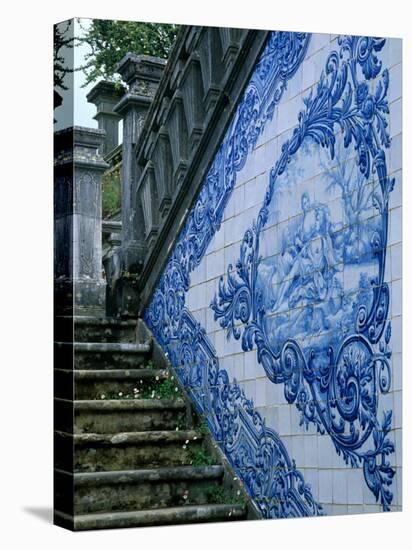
(142, 73)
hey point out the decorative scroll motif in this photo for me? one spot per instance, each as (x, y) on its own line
(278, 63)
(256, 452)
(335, 376)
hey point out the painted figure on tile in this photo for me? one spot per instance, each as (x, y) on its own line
(309, 262)
(321, 331)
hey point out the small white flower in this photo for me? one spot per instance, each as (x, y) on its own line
(185, 497)
(184, 447)
(194, 439)
(177, 428)
(103, 396)
(135, 390)
(120, 394)
(238, 493)
(176, 388)
(187, 442)
(172, 378)
(235, 478)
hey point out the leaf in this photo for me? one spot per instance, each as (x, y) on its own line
(387, 420)
(376, 201)
(388, 332)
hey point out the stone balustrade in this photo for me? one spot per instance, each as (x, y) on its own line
(174, 115)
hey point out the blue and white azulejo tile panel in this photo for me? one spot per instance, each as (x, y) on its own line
(280, 305)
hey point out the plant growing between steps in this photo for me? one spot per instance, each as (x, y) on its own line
(220, 495)
(200, 457)
(160, 387)
(140, 455)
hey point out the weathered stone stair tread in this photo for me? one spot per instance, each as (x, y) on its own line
(104, 321)
(128, 404)
(161, 516)
(108, 347)
(134, 438)
(141, 472)
(176, 473)
(119, 374)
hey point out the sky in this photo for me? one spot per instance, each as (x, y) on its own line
(83, 111)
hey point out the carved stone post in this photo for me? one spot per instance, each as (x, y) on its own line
(105, 95)
(79, 285)
(142, 74)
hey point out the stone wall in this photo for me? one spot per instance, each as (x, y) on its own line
(280, 303)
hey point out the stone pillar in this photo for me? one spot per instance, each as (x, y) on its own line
(105, 95)
(79, 285)
(142, 74)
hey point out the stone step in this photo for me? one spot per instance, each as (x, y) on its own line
(129, 415)
(141, 489)
(95, 329)
(100, 355)
(92, 384)
(145, 518)
(95, 452)
(107, 329)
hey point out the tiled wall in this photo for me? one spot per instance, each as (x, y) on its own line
(295, 282)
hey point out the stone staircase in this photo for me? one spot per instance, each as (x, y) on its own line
(139, 455)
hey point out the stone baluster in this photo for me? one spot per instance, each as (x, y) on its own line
(176, 125)
(163, 168)
(231, 40)
(210, 54)
(150, 203)
(192, 94)
(105, 95)
(79, 285)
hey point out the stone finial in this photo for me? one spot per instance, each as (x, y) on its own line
(105, 95)
(141, 73)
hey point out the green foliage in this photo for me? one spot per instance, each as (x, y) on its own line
(199, 457)
(202, 427)
(181, 421)
(109, 41)
(62, 39)
(157, 387)
(111, 192)
(217, 494)
(165, 389)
